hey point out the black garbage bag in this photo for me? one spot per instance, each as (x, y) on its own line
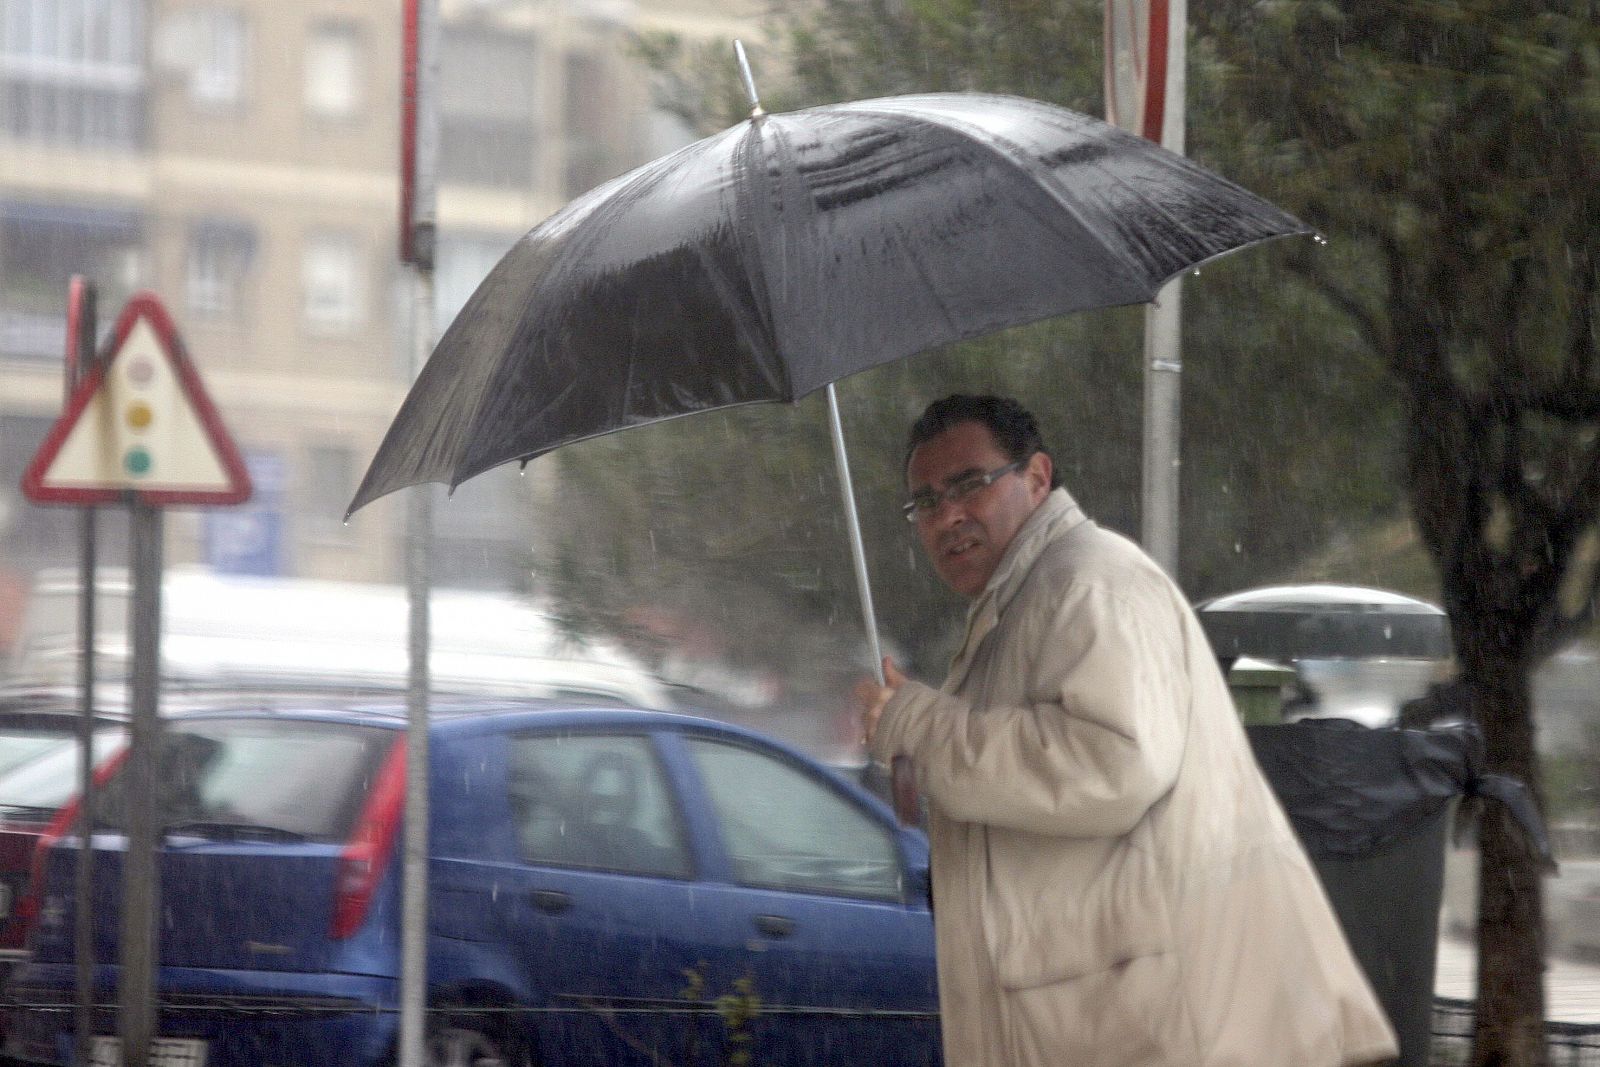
(1372, 808)
(1350, 790)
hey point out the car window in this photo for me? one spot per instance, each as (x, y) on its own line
(785, 829)
(304, 778)
(51, 776)
(21, 746)
(598, 801)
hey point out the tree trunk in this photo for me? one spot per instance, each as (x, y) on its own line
(1465, 470)
(1511, 1006)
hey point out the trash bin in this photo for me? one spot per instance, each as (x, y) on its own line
(1258, 688)
(1372, 808)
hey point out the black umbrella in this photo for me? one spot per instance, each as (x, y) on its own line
(785, 253)
(772, 259)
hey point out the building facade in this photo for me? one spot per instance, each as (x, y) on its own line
(240, 159)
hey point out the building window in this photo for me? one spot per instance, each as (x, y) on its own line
(72, 72)
(334, 71)
(221, 253)
(220, 56)
(589, 113)
(42, 245)
(334, 278)
(208, 48)
(487, 138)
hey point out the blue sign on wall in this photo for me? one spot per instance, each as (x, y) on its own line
(249, 539)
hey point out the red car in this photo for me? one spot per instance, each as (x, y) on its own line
(38, 774)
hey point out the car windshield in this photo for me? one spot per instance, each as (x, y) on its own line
(21, 746)
(288, 779)
(47, 779)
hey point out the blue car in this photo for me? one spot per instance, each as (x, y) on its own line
(606, 886)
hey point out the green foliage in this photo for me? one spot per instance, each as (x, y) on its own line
(737, 1010)
(1449, 149)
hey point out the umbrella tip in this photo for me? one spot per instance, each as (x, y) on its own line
(756, 110)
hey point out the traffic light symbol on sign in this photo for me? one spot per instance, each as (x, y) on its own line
(137, 416)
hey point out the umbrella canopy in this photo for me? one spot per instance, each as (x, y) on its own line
(791, 250)
(1322, 621)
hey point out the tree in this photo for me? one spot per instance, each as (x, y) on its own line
(1449, 153)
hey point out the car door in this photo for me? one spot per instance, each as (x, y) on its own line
(819, 888)
(589, 900)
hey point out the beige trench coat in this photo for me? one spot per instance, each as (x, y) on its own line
(1114, 884)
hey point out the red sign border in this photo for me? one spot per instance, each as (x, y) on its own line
(148, 306)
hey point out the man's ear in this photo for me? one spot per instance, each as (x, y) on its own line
(1039, 473)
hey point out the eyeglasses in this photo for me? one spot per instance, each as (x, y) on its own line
(924, 502)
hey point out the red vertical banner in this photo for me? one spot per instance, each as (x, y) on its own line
(409, 82)
(80, 330)
(419, 131)
(1138, 36)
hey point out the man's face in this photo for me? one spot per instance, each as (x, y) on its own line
(964, 539)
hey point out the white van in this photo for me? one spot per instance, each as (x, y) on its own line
(223, 630)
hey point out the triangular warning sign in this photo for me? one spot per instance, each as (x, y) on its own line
(139, 427)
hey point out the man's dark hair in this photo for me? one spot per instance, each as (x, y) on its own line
(1013, 426)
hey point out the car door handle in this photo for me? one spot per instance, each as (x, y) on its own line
(552, 900)
(774, 925)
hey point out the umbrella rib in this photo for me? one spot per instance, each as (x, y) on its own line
(753, 145)
(1014, 155)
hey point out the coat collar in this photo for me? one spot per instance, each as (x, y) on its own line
(1052, 518)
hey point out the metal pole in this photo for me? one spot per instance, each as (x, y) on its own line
(1163, 369)
(81, 341)
(857, 550)
(748, 78)
(414, 909)
(419, 534)
(140, 888)
(83, 883)
(902, 785)
(1163, 364)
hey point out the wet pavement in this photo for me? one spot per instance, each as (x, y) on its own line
(1572, 987)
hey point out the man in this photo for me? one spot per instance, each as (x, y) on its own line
(1114, 884)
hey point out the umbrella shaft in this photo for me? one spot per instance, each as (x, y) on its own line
(858, 553)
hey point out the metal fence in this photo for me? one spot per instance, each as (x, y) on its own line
(1571, 1044)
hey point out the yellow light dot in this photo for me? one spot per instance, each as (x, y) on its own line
(139, 415)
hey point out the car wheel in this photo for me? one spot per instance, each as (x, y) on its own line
(456, 1045)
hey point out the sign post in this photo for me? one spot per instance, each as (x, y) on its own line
(80, 356)
(139, 430)
(136, 991)
(1145, 57)
(419, 152)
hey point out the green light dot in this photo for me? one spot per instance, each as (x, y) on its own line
(136, 461)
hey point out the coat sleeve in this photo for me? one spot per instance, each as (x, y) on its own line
(1097, 742)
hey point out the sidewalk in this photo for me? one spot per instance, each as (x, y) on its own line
(1572, 989)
